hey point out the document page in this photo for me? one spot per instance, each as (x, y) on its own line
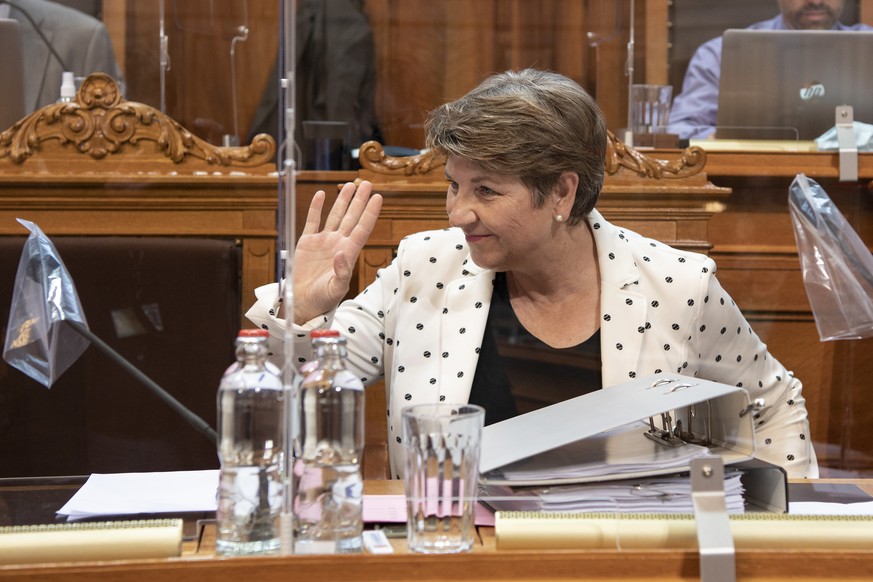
(144, 493)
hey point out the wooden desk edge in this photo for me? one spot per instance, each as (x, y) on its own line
(484, 563)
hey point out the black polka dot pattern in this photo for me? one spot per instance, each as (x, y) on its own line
(680, 326)
(661, 310)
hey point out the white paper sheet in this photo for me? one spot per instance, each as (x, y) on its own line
(105, 494)
(822, 508)
(194, 491)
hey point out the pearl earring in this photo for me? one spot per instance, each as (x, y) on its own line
(559, 217)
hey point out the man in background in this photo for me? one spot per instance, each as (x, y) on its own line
(81, 42)
(694, 111)
(335, 70)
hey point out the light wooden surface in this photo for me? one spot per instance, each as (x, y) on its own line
(484, 562)
(474, 566)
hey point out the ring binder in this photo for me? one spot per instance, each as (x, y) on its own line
(756, 406)
(667, 434)
(606, 429)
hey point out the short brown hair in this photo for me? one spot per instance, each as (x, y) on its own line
(531, 124)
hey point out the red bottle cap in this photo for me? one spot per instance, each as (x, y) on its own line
(316, 333)
(253, 333)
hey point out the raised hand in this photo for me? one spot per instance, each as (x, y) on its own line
(325, 259)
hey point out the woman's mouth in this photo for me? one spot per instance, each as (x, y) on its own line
(475, 238)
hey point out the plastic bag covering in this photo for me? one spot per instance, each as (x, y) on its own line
(837, 266)
(37, 341)
(863, 132)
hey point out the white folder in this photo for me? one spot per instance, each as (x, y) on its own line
(649, 426)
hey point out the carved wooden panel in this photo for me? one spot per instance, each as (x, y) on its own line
(107, 133)
(102, 165)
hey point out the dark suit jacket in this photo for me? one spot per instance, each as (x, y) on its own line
(335, 71)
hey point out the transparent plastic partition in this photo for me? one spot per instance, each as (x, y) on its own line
(194, 34)
(749, 138)
(757, 132)
(286, 64)
(212, 65)
(608, 19)
(609, 22)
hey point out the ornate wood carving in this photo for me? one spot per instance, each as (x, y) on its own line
(619, 155)
(620, 158)
(373, 157)
(100, 123)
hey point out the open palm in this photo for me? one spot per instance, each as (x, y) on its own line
(324, 257)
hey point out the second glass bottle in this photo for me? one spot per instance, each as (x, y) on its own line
(328, 488)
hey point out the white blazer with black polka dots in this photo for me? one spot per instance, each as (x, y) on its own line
(419, 326)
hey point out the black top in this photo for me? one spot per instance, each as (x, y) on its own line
(518, 373)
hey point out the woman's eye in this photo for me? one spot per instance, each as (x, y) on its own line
(486, 191)
(453, 186)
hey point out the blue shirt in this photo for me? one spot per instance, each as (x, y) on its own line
(694, 111)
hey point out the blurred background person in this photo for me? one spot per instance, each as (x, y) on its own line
(73, 41)
(694, 111)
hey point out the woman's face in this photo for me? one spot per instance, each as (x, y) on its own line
(496, 213)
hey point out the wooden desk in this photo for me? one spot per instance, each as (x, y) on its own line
(783, 164)
(485, 562)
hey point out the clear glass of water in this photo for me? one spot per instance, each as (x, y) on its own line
(442, 443)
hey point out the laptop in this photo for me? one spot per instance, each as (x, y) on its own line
(780, 84)
(11, 73)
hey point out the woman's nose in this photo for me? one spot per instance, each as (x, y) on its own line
(459, 212)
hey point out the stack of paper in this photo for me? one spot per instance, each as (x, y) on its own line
(671, 494)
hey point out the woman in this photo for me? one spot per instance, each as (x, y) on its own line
(525, 161)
